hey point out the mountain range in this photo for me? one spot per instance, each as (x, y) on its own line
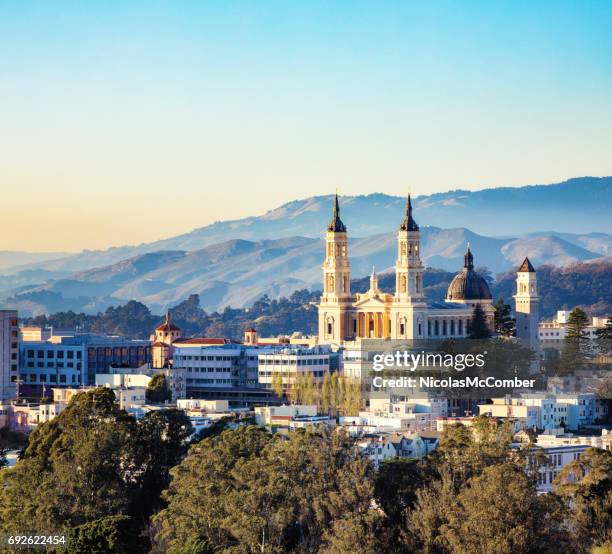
(236, 262)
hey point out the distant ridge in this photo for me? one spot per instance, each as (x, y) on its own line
(235, 262)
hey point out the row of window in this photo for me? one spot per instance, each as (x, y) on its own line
(207, 358)
(294, 361)
(54, 364)
(209, 381)
(69, 354)
(270, 373)
(53, 378)
(207, 369)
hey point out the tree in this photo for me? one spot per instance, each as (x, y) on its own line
(499, 511)
(277, 383)
(81, 466)
(268, 494)
(505, 326)
(604, 338)
(479, 328)
(161, 440)
(157, 389)
(104, 536)
(576, 342)
(585, 485)
(91, 462)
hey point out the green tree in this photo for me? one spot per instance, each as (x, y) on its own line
(90, 462)
(327, 395)
(268, 494)
(500, 511)
(79, 467)
(157, 389)
(277, 383)
(309, 392)
(479, 328)
(604, 338)
(107, 535)
(576, 342)
(585, 485)
(505, 326)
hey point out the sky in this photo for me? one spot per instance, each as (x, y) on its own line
(127, 122)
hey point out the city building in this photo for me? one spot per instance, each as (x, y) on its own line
(270, 416)
(551, 333)
(289, 362)
(162, 341)
(558, 458)
(75, 360)
(545, 410)
(406, 314)
(9, 354)
(368, 422)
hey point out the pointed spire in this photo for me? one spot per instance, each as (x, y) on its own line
(374, 281)
(468, 259)
(409, 224)
(336, 224)
(526, 267)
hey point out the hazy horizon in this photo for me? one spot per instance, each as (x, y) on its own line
(127, 123)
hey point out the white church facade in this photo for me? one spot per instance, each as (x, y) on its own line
(406, 314)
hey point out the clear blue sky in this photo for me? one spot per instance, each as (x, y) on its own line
(124, 122)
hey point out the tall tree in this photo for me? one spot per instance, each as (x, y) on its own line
(277, 383)
(604, 338)
(505, 326)
(157, 389)
(585, 485)
(268, 494)
(479, 328)
(576, 342)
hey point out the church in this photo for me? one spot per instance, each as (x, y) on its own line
(406, 314)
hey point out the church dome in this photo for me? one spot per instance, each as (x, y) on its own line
(468, 285)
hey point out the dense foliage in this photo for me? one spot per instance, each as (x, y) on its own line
(114, 485)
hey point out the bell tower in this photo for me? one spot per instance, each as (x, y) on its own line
(336, 297)
(527, 306)
(408, 266)
(408, 311)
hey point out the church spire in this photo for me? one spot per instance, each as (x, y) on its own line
(336, 224)
(468, 259)
(409, 224)
(526, 267)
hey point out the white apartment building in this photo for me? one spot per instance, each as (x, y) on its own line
(559, 457)
(292, 361)
(9, 353)
(371, 422)
(282, 415)
(549, 440)
(545, 410)
(552, 333)
(215, 366)
(436, 406)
